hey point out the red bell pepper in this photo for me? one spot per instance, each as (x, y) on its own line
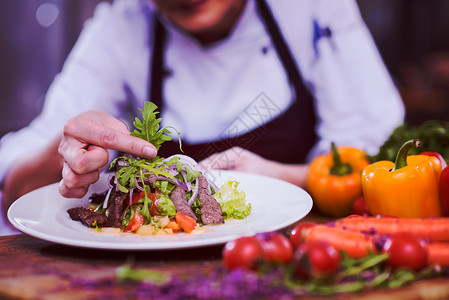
(444, 191)
(443, 182)
(437, 155)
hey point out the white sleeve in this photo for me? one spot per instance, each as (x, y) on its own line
(92, 78)
(356, 100)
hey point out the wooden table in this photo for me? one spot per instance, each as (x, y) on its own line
(34, 269)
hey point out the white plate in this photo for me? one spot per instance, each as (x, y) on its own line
(275, 204)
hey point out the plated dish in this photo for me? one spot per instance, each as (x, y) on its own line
(275, 204)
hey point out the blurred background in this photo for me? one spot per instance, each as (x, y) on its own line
(37, 35)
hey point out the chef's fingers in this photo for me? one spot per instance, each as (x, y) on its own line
(82, 158)
(102, 134)
(74, 180)
(72, 192)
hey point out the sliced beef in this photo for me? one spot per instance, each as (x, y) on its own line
(210, 208)
(87, 217)
(179, 199)
(116, 207)
(74, 213)
(97, 198)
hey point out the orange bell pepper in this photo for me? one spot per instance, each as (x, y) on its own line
(333, 180)
(407, 188)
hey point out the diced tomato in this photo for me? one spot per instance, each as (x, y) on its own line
(153, 198)
(137, 197)
(135, 223)
(173, 225)
(187, 223)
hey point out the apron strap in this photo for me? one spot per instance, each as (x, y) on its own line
(155, 80)
(275, 140)
(282, 49)
(284, 53)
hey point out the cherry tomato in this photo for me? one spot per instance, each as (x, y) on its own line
(296, 236)
(242, 253)
(316, 259)
(406, 251)
(135, 223)
(276, 247)
(360, 207)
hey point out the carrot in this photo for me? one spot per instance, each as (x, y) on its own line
(438, 253)
(357, 242)
(185, 222)
(354, 244)
(431, 229)
(173, 225)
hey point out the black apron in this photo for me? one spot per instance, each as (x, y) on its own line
(287, 138)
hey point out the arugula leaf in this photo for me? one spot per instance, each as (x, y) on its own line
(132, 169)
(148, 128)
(126, 175)
(145, 210)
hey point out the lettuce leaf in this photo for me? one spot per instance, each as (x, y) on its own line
(165, 206)
(232, 201)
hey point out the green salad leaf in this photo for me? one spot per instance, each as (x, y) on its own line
(232, 201)
(126, 175)
(148, 128)
(165, 206)
(433, 134)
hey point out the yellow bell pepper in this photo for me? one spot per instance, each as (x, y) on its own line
(333, 180)
(407, 188)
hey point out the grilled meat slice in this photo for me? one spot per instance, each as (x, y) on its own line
(117, 204)
(211, 212)
(179, 199)
(87, 217)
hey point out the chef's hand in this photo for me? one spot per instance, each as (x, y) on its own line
(239, 159)
(84, 148)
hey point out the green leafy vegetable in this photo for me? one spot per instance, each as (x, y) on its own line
(434, 136)
(126, 175)
(147, 204)
(148, 128)
(152, 276)
(191, 174)
(166, 207)
(232, 201)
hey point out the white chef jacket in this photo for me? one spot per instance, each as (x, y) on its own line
(356, 101)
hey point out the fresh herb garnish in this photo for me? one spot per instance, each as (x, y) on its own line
(126, 175)
(132, 171)
(148, 128)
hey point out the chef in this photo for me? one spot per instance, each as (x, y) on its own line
(258, 86)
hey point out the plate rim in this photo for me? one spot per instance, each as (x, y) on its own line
(306, 201)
